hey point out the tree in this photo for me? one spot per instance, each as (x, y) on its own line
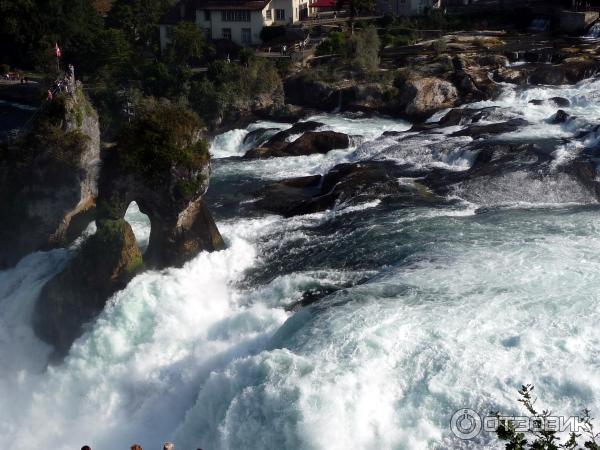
(365, 49)
(543, 436)
(187, 44)
(356, 7)
(29, 29)
(139, 19)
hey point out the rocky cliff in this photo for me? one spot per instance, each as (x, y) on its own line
(54, 181)
(161, 162)
(48, 179)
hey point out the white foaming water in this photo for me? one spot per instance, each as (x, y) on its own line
(584, 99)
(385, 368)
(231, 143)
(140, 224)
(484, 303)
(132, 376)
(521, 187)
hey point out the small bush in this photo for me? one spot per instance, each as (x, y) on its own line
(439, 46)
(541, 435)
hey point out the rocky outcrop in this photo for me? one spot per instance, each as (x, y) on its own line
(48, 179)
(349, 183)
(309, 143)
(162, 163)
(509, 75)
(302, 90)
(105, 264)
(559, 117)
(479, 131)
(570, 71)
(420, 98)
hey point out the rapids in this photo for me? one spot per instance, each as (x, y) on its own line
(432, 309)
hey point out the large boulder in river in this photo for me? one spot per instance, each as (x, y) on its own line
(303, 90)
(344, 184)
(309, 143)
(105, 263)
(571, 71)
(48, 179)
(510, 75)
(420, 98)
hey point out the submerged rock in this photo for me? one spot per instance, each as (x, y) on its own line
(561, 102)
(349, 183)
(477, 131)
(559, 117)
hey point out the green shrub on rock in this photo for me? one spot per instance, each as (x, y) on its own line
(162, 135)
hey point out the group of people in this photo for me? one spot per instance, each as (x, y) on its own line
(66, 84)
(166, 446)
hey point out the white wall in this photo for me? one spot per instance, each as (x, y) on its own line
(216, 25)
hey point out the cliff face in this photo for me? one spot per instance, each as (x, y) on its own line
(48, 179)
(162, 163)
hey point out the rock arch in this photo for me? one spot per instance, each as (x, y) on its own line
(161, 163)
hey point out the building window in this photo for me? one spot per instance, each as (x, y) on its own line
(227, 33)
(280, 14)
(235, 16)
(207, 15)
(207, 34)
(269, 15)
(246, 36)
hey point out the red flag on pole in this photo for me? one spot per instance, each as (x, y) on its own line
(57, 50)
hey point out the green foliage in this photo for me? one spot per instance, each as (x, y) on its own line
(110, 241)
(542, 436)
(269, 33)
(334, 44)
(4, 68)
(29, 29)
(365, 49)
(112, 53)
(189, 187)
(357, 7)
(360, 51)
(439, 46)
(161, 136)
(187, 44)
(138, 19)
(397, 37)
(228, 86)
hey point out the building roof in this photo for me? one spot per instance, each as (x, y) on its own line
(185, 10)
(323, 4)
(254, 5)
